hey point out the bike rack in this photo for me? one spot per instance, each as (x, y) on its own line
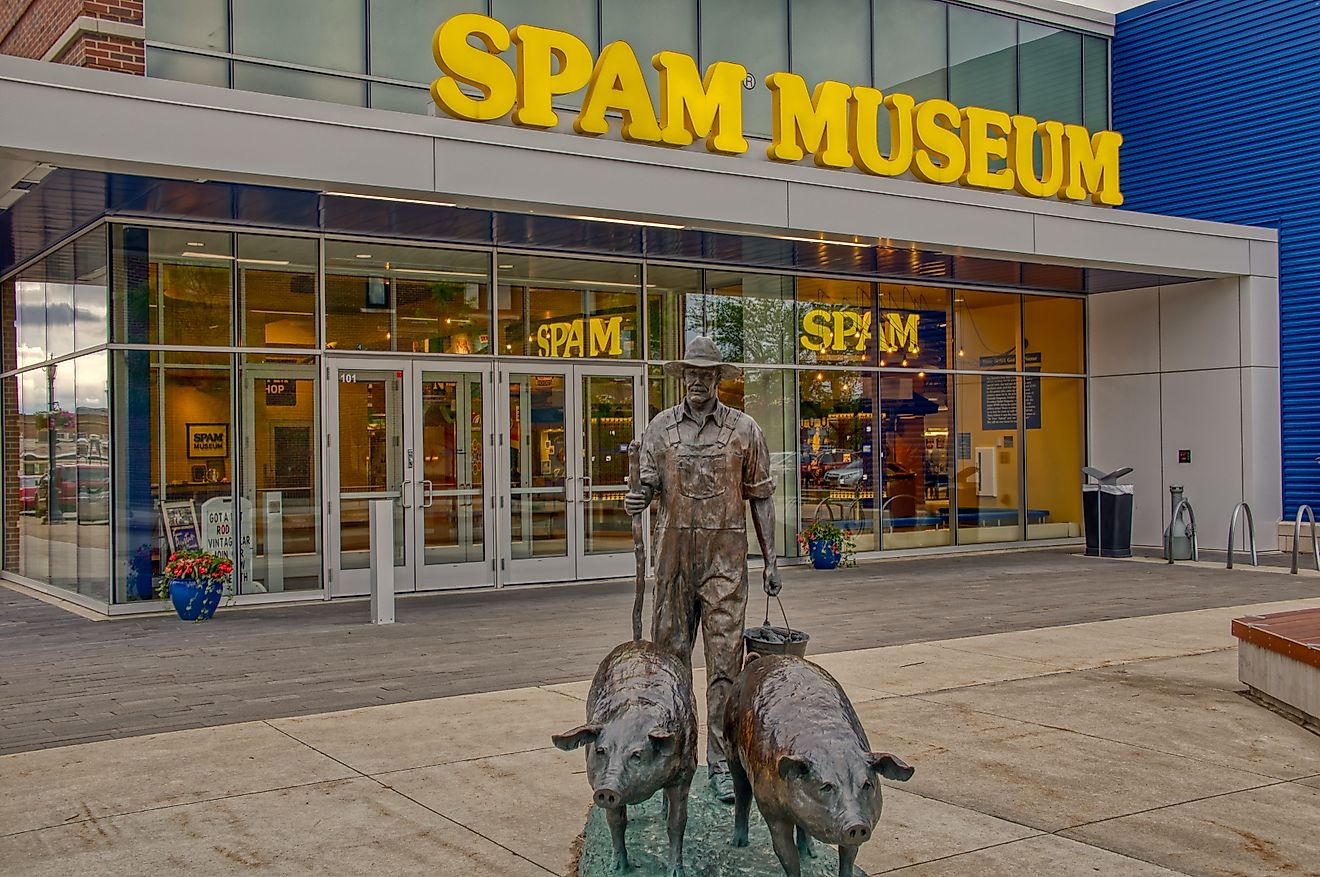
(1251, 533)
(1297, 537)
(1168, 538)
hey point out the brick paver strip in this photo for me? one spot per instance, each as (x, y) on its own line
(64, 679)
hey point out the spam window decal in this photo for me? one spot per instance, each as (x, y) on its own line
(838, 125)
(208, 440)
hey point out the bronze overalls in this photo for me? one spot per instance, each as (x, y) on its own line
(701, 555)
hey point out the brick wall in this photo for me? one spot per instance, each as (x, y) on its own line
(30, 28)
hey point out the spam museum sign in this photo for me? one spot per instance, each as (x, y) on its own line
(835, 123)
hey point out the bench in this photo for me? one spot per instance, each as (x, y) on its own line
(1279, 660)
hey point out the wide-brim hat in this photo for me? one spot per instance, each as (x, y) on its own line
(702, 353)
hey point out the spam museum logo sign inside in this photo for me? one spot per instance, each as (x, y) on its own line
(837, 124)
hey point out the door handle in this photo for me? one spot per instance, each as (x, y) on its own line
(403, 493)
(428, 496)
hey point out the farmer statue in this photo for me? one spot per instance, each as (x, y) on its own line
(701, 460)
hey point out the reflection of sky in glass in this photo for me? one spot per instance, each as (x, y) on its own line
(31, 317)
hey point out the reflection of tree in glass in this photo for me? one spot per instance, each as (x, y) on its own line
(744, 328)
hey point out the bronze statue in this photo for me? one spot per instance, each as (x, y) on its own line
(799, 749)
(700, 461)
(641, 736)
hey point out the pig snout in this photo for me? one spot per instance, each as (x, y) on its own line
(607, 798)
(857, 833)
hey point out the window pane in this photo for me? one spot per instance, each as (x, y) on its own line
(182, 67)
(203, 24)
(912, 328)
(318, 33)
(90, 306)
(830, 41)
(28, 551)
(569, 308)
(915, 451)
(277, 291)
(750, 316)
(1052, 336)
(838, 451)
(172, 286)
(296, 83)
(30, 318)
(173, 443)
(1095, 82)
(836, 321)
(988, 329)
(1055, 415)
(59, 311)
(92, 497)
(652, 27)
(911, 50)
(415, 299)
(400, 98)
(753, 33)
(401, 32)
(1050, 73)
(278, 483)
(986, 469)
(668, 293)
(982, 59)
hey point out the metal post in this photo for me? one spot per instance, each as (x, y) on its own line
(1191, 531)
(381, 517)
(1297, 537)
(1251, 533)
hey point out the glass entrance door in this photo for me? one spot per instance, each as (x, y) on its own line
(412, 433)
(563, 451)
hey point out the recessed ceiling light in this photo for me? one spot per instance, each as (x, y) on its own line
(505, 267)
(196, 244)
(364, 255)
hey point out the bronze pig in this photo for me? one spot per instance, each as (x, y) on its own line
(800, 750)
(641, 736)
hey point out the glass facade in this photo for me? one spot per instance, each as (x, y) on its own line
(150, 369)
(377, 52)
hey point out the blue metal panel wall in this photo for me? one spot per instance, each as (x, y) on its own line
(1217, 102)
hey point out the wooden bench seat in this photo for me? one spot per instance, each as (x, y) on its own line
(1279, 660)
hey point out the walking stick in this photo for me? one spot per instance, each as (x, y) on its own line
(639, 545)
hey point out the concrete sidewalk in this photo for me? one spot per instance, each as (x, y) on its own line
(1115, 747)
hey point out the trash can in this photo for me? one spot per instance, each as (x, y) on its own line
(1107, 514)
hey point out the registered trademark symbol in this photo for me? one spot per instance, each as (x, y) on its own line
(750, 82)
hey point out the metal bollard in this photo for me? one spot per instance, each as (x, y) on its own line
(381, 517)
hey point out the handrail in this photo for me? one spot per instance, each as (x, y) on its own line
(1168, 537)
(1297, 537)
(1251, 533)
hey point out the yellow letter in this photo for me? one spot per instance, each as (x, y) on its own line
(559, 333)
(864, 131)
(543, 340)
(802, 124)
(1021, 145)
(936, 141)
(540, 52)
(575, 339)
(816, 326)
(482, 69)
(692, 108)
(1091, 165)
(617, 84)
(606, 336)
(981, 146)
(864, 331)
(902, 331)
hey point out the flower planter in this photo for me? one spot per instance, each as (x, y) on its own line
(192, 601)
(824, 554)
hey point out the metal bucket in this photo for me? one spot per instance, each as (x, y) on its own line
(784, 642)
(771, 640)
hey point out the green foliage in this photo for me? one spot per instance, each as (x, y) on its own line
(827, 532)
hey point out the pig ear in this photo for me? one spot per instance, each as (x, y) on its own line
(891, 767)
(792, 766)
(664, 741)
(579, 736)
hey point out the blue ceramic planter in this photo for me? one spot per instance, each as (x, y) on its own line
(824, 555)
(191, 601)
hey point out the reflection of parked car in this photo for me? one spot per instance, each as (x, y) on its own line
(27, 493)
(815, 469)
(82, 492)
(850, 474)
